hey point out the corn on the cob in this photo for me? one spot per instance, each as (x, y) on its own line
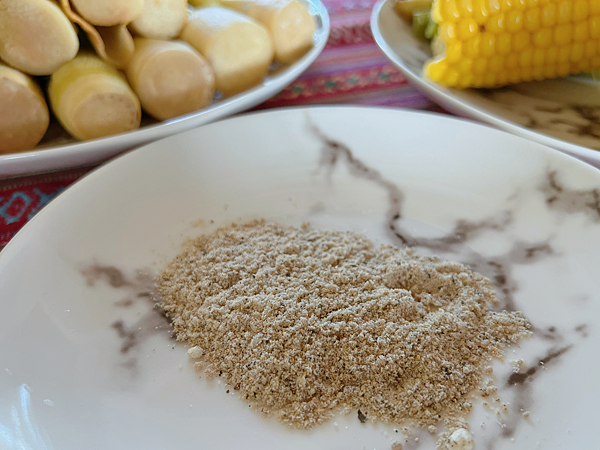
(492, 43)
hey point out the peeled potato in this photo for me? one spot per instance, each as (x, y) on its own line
(24, 116)
(170, 78)
(161, 19)
(238, 48)
(92, 99)
(35, 36)
(201, 3)
(107, 13)
(291, 25)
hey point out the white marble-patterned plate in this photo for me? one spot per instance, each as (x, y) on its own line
(86, 362)
(59, 151)
(561, 113)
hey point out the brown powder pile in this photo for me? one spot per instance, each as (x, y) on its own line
(308, 323)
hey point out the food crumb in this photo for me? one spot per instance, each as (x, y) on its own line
(460, 439)
(361, 417)
(518, 365)
(526, 414)
(396, 445)
(306, 323)
(195, 352)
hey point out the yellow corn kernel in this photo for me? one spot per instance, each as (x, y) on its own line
(537, 73)
(503, 44)
(563, 34)
(526, 74)
(512, 61)
(496, 24)
(580, 10)
(447, 32)
(471, 47)
(451, 77)
(532, 21)
(477, 81)
(514, 21)
(520, 41)
(480, 66)
(550, 71)
(580, 32)
(580, 66)
(564, 12)
(489, 79)
(542, 38)
(596, 61)
(515, 76)
(436, 12)
(501, 78)
(594, 27)
(526, 58)
(531, 3)
(549, 15)
(465, 7)
(496, 64)
(538, 57)
(519, 5)
(480, 13)
(465, 80)
(563, 69)
(488, 44)
(465, 66)
(449, 10)
(493, 6)
(564, 54)
(576, 52)
(454, 52)
(551, 55)
(467, 28)
(435, 70)
(590, 49)
(594, 7)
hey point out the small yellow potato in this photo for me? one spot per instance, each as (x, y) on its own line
(24, 115)
(107, 13)
(238, 48)
(35, 36)
(289, 22)
(170, 78)
(161, 19)
(92, 99)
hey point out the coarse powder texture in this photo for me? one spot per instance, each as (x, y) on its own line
(308, 323)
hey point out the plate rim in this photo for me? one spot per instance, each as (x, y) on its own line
(57, 158)
(435, 93)
(106, 167)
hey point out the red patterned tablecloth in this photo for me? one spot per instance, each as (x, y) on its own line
(351, 70)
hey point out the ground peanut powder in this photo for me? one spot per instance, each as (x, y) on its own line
(308, 323)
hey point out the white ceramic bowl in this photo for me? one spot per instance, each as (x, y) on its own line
(562, 113)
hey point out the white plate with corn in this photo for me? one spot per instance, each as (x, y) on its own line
(82, 81)
(523, 66)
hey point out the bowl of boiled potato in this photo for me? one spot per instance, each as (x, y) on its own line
(83, 80)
